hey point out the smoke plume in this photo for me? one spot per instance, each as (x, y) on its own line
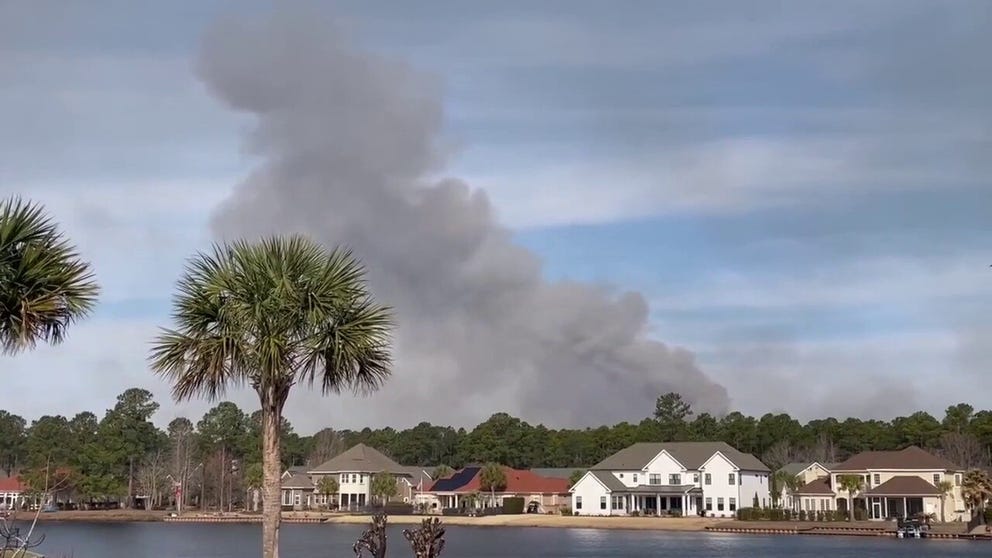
(348, 144)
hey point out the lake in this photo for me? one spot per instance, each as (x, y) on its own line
(186, 540)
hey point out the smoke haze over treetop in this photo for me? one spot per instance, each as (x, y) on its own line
(348, 144)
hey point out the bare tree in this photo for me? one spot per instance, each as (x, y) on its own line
(779, 454)
(326, 444)
(822, 451)
(964, 450)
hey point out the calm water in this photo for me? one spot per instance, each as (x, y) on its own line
(170, 540)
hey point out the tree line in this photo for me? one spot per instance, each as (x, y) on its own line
(123, 454)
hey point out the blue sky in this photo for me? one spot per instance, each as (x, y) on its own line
(801, 191)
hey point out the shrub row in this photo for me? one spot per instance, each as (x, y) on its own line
(766, 514)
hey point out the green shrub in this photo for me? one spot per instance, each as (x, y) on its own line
(675, 513)
(635, 513)
(513, 505)
(565, 510)
(802, 515)
(988, 516)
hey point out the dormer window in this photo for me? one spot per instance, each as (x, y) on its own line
(635, 478)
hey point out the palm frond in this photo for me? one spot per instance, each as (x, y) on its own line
(272, 313)
(45, 286)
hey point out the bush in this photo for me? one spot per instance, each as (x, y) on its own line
(566, 511)
(675, 513)
(513, 505)
(635, 513)
(802, 515)
(988, 516)
(860, 515)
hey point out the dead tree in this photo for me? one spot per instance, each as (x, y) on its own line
(428, 540)
(373, 539)
(11, 541)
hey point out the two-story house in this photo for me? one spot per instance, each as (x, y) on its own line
(808, 494)
(354, 470)
(900, 483)
(705, 478)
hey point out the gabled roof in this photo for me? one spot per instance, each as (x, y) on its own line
(909, 459)
(12, 484)
(905, 486)
(415, 476)
(517, 482)
(794, 468)
(556, 472)
(296, 480)
(816, 487)
(690, 454)
(360, 459)
(609, 480)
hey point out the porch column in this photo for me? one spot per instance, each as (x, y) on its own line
(905, 508)
(657, 503)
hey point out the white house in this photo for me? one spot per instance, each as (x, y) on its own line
(704, 478)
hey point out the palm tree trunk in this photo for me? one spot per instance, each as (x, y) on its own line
(942, 516)
(271, 504)
(850, 507)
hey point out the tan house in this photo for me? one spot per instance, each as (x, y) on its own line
(354, 470)
(895, 484)
(805, 474)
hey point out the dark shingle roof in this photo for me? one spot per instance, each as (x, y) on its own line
(556, 472)
(905, 486)
(692, 455)
(611, 482)
(909, 459)
(794, 468)
(360, 459)
(816, 487)
(297, 480)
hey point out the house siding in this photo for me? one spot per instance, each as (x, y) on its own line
(721, 490)
(590, 491)
(954, 507)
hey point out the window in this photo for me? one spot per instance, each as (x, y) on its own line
(344, 478)
(297, 498)
(602, 502)
(709, 479)
(654, 478)
(695, 478)
(823, 505)
(635, 478)
(578, 502)
(719, 504)
(354, 478)
(617, 502)
(733, 504)
(287, 496)
(621, 475)
(877, 480)
(732, 478)
(936, 479)
(764, 502)
(675, 479)
(957, 479)
(709, 504)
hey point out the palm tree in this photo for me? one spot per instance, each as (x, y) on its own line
(945, 487)
(44, 285)
(492, 478)
(793, 483)
(328, 486)
(976, 489)
(273, 314)
(254, 477)
(850, 484)
(442, 471)
(778, 482)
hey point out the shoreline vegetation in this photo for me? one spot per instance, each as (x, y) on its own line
(683, 524)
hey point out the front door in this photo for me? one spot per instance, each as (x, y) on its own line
(876, 509)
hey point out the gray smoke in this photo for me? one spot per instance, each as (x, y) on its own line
(348, 144)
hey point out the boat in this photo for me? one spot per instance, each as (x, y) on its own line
(912, 529)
